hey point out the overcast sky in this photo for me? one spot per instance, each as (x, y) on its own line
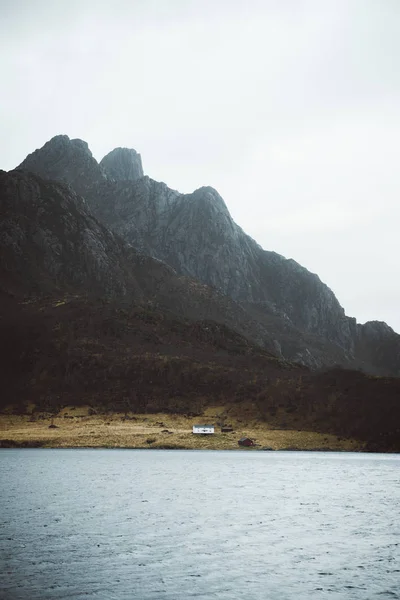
(289, 108)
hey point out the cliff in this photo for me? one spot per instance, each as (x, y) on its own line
(196, 236)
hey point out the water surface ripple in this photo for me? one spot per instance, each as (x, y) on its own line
(126, 524)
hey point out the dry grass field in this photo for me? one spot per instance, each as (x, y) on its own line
(75, 427)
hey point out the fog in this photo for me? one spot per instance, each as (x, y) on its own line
(289, 108)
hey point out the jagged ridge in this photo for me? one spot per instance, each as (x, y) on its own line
(196, 235)
(51, 243)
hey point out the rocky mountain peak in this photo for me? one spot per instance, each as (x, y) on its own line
(81, 145)
(123, 164)
(208, 195)
(195, 235)
(59, 146)
(377, 329)
(66, 160)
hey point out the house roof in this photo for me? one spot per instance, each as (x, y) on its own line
(203, 425)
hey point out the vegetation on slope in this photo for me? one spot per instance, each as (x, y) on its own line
(74, 350)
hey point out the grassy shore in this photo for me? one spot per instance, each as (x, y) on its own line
(75, 428)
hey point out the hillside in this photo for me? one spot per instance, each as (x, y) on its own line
(87, 320)
(197, 237)
(50, 242)
(72, 350)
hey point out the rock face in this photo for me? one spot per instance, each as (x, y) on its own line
(69, 161)
(50, 243)
(49, 240)
(195, 234)
(123, 164)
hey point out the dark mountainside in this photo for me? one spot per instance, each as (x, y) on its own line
(50, 243)
(73, 350)
(195, 234)
(87, 319)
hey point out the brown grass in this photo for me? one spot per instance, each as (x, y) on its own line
(76, 428)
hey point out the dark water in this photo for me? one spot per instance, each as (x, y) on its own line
(122, 524)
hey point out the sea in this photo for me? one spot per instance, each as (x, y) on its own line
(156, 524)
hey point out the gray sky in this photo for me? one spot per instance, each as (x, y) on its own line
(289, 108)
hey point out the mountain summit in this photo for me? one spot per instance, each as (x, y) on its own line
(66, 160)
(122, 164)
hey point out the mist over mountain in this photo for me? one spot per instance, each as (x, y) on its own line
(297, 314)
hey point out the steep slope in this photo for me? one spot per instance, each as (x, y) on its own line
(123, 164)
(195, 234)
(49, 240)
(77, 351)
(69, 161)
(50, 243)
(85, 319)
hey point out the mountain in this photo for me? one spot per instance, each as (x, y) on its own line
(87, 319)
(68, 161)
(196, 236)
(122, 164)
(70, 350)
(50, 243)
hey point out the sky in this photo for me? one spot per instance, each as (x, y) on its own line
(289, 108)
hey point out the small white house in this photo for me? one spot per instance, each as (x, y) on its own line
(203, 429)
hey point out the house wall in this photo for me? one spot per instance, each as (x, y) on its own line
(202, 429)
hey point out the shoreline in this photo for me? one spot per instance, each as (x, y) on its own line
(27, 446)
(78, 427)
(6, 444)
